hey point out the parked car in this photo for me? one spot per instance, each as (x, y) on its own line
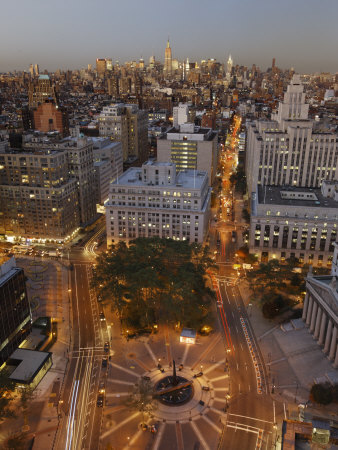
(104, 362)
(106, 347)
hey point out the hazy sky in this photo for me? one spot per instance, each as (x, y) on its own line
(72, 33)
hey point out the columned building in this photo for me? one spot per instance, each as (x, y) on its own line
(320, 311)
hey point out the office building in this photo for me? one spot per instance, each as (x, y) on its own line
(40, 91)
(291, 149)
(180, 114)
(129, 125)
(15, 314)
(190, 147)
(154, 200)
(295, 222)
(168, 60)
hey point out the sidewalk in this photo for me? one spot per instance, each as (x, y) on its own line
(51, 298)
(293, 359)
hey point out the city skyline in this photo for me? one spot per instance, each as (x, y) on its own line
(129, 31)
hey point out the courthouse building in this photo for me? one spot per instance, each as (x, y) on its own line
(320, 310)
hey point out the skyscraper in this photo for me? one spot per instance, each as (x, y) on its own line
(229, 66)
(168, 59)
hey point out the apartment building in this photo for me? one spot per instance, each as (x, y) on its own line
(155, 200)
(190, 147)
(295, 222)
(38, 197)
(79, 154)
(290, 149)
(129, 125)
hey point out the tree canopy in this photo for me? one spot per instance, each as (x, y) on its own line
(155, 280)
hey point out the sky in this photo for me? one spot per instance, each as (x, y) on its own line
(69, 34)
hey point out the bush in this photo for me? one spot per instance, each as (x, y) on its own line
(274, 305)
(322, 393)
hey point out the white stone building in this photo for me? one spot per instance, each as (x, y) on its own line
(298, 222)
(154, 200)
(291, 149)
(180, 114)
(320, 311)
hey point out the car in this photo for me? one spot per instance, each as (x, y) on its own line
(106, 347)
(101, 388)
(102, 316)
(199, 374)
(205, 388)
(100, 400)
(105, 362)
(146, 378)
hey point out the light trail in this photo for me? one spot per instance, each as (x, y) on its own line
(71, 417)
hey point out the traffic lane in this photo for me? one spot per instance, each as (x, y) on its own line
(83, 308)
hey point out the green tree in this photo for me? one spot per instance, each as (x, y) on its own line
(322, 393)
(141, 398)
(7, 388)
(154, 280)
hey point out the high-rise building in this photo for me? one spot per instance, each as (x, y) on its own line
(15, 314)
(109, 64)
(31, 70)
(168, 59)
(180, 114)
(129, 125)
(230, 64)
(101, 67)
(153, 200)
(40, 91)
(38, 198)
(291, 149)
(49, 117)
(190, 147)
(113, 86)
(36, 70)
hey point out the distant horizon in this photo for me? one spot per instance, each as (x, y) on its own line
(71, 34)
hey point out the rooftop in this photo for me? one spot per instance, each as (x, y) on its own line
(31, 362)
(188, 179)
(294, 196)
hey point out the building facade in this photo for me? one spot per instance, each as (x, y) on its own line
(38, 197)
(154, 200)
(320, 312)
(180, 114)
(190, 147)
(15, 314)
(168, 60)
(291, 149)
(294, 222)
(41, 90)
(129, 125)
(48, 117)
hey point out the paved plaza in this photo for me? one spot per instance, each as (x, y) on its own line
(197, 422)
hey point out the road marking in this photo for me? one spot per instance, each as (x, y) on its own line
(209, 369)
(284, 411)
(151, 352)
(249, 388)
(179, 436)
(131, 372)
(199, 435)
(241, 346)
(113, 380)
(244, 427)
(218, 399)
(207, 350)
(239, 388)
(251, 418)
(185, 354)
(274, 412)
(133, 439)
(221, 389)
(237, 366)
(210, 422)
(119, 425)
(158, 437)
(117, 394)
(219, 378)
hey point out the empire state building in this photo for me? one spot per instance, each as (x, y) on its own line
(167, 59)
